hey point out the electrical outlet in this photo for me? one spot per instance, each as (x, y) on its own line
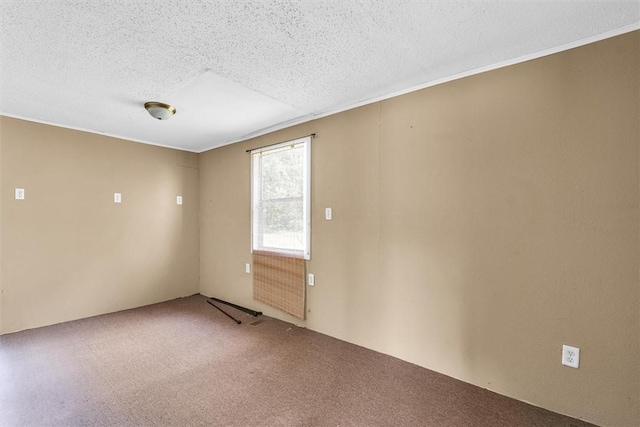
(312, 279)
(117, 198)
(19, 193)
(570, 356)
(247, 268)
(328, 214)
(178, 200)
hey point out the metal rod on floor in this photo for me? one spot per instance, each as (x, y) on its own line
(239, 307)
(225, 313)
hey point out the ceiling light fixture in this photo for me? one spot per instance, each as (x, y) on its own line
(160, 110)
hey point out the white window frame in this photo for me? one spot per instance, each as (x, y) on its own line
(305, 253)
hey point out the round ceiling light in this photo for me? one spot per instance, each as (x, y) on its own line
(160, 110)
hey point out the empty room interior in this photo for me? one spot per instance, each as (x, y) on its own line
(320, 213)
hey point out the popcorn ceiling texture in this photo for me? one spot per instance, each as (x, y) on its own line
(91, 65)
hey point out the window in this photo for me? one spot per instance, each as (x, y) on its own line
(280, 198)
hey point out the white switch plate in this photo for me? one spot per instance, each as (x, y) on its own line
(247, 268)
(312, 279)
(19, 193)
(117, 198)
(570, 356)
(178, 200)
(327, 214)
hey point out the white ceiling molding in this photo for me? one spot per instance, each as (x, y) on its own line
(236, 70)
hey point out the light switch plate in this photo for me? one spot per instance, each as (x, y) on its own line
(312, 279)
(117, 198)
(328, 214)
(178, 200)
(247, 268)
(19, 193)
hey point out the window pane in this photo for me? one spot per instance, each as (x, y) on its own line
(281, 198)
(283, 224)
(282, 174)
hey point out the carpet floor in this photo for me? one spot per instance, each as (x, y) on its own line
(183, 363)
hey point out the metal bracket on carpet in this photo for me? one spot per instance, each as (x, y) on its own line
(246, 310)
(239, 307)
(225, 313)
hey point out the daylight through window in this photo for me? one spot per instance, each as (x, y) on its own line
(280, 188)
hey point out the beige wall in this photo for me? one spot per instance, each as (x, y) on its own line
(478, 226)
(68, 251)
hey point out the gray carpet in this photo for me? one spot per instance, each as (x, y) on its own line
(184, 363)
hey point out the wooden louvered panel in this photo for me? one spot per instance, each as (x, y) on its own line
(279, 282)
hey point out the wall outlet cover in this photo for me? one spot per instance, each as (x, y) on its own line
(570, 356)
(178, 200)
(19, 193)
(117, 198)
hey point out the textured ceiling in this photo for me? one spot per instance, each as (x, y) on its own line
(234, 69)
